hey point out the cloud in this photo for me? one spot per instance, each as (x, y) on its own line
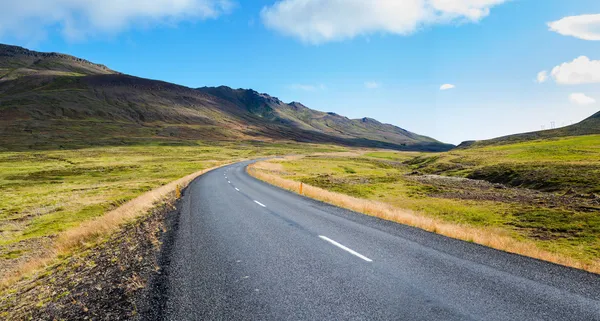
(320, 21)
(372, 85)
(542, 76)
(78, 19)
(447, 87)
(586, 27)
(582, 70)
(305, 87)
(581, 99)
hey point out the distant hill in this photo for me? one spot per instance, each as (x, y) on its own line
(365, 131)
(589, 126)
(51, 100)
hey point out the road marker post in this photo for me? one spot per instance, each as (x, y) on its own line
(301, 188)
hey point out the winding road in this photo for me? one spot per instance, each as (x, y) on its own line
(245, 250)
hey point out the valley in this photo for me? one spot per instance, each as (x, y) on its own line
(97, 168)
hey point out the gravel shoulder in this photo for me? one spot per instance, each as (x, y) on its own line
(105, 281)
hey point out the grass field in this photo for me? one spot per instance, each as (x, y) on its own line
(547, 196)
(555, 165)
(44, 193)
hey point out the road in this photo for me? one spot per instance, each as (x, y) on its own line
(245, 250)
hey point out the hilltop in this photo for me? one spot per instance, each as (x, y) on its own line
(17, 62)
(589, 126)
(51, 100)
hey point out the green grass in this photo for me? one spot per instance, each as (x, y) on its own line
(382, 181)
(45, 192)
(556, 165)
(550, 166)
(11, 254)
(569, 149)
(393, 156)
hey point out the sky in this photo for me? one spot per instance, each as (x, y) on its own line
(454, 70)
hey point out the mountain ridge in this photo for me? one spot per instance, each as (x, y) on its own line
(49, 100)
(23, 61)
(299, 115)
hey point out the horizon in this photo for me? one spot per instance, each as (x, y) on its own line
(453, 73)
(300, 160)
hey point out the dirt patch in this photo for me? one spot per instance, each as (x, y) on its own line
(103, 282)
(15, 254)
(471, 189)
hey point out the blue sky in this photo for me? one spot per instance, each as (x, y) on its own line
(382, 59)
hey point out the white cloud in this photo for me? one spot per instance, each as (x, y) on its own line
(447, 87)
(319, 21)
(80, 18)
(307, 87)
(582, 70)
(372, 85)
(586, 27)
(581, 99)
(542, 76)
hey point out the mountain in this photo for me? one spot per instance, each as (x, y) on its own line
(588, 126)
(51, 100)
(296, 115)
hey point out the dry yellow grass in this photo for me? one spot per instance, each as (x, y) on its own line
(353, 153)
(494, 238)
(274, 167)
(111, 221)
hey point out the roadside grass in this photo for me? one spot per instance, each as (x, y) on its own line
(91, 231)
(382, 184)
(50, 200)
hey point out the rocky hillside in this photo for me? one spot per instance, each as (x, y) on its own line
(16, 62)
(50, 100)
(296, 115)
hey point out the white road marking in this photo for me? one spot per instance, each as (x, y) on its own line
(259, 203)
(351, 251)
(237, 189)
(229, 182)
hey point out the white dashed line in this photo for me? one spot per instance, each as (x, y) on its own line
(237, 189)
(259, 203)
(345, 248)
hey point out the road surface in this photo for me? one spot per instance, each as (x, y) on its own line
(244, 250)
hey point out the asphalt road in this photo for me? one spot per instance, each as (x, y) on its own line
(244, 250)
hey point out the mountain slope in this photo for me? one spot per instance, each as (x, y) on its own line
(588, 126)
(299, 116)
(59, 101)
